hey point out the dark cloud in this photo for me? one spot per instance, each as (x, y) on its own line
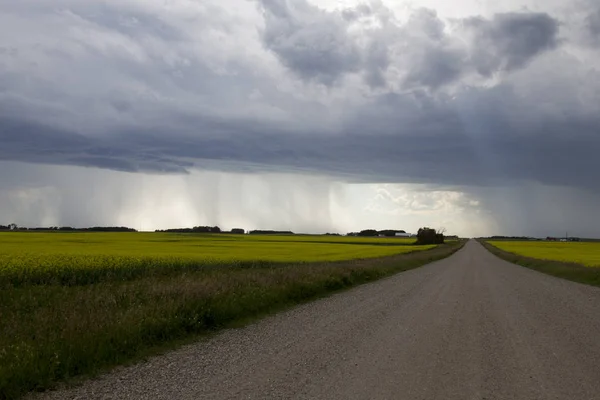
(435, 60)
(319, 45)
(426, 22)
(311, 42)
(469, 140)
(136, 87)
(509, 41)
(592, 25)
(504, 43)
(377, 61)
(132, 22)
(436, 66)
(352, 14)
(36, 143)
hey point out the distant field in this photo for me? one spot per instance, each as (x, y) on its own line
(80, 258)
(76, 303)
(204, 246)
(583, 253)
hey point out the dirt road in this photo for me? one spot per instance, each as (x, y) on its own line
(468, 327)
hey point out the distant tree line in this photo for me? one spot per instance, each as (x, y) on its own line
(425, 235)
(568, 239)
(9, 227)
(203, 229)
(500, 237)
(196, 229)
(98, 229)
(270, 232)
(216, 229)
(14, 227)
(374, 232)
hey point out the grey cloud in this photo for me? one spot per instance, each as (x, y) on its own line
(510, 40)
(317, 45)
(538, 210)
(435, 59)
(9, 51)
(131, 22)
(377, 61)
(36, 143)
(311, 42)
(504, 43)
(352, 14)
(425, 21)
(436, 66)
(592, 25)
(466, 141)
(112, 111)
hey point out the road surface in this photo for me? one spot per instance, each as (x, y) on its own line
(468, 327)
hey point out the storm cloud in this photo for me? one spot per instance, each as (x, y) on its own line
(366, 93)
(592, 25)
(509, 41)
(311, 42)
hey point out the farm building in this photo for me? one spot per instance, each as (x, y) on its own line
(400, 234)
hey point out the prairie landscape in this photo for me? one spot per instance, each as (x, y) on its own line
(73, 304)
(320, 135)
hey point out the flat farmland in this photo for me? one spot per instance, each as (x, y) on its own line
(277, 248)
(74, 304)
(76, 258)
(471, 326)
(584, 253)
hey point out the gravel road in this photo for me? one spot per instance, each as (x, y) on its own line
(468, 327)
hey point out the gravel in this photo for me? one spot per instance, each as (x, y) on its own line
(468, 327)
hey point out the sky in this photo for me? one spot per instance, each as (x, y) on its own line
(473, 116)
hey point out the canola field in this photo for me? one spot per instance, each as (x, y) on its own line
(80, 258)
(584, 253)
(75, 303)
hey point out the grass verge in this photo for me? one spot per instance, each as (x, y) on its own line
(560, 269)
(53, 333)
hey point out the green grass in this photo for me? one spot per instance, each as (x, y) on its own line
(122, 296)
(572, 271)
(583, 253)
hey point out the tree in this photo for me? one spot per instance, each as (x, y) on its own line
(368, 232)
(238, 231)
(429, 236)
(390, 232)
